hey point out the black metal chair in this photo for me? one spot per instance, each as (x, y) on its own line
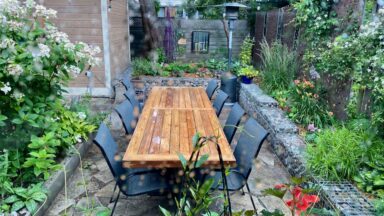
(233, 121)
(130, 94)
(212, 86)
(247, 149)
(127, 82)
(128, 116)
(219, 101)
(131, 182)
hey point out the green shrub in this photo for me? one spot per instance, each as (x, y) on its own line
(246, 51)
(216, 65)
(306, 106)
(248, 71)
(336, 154)
(36, 128)
(379, 207)
(279, 66)
(144, 67)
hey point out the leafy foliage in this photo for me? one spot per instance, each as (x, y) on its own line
(20, 197)
(379, 207)
(36, 62)
(317, 19)
(327, 158)
(246, 51)
(248, 71)
(301, 200)
(306, 106)
(143, 66)
(279, 66)
(196, 197)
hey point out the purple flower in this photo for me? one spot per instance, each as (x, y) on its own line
(312, 128)
(314, 74)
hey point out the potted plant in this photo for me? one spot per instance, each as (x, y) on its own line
(247, 74)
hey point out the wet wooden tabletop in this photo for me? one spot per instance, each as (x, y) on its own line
(170, 118)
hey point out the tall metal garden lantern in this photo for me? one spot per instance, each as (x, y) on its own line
(231, 14)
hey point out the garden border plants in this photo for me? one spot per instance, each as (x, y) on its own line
(290, 148)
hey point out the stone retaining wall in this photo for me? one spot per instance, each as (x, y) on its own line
(144, 84)
(290, 147)
(284, 137)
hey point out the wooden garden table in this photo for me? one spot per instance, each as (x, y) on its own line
(170, 118)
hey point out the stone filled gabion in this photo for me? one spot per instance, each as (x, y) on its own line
(290, 149)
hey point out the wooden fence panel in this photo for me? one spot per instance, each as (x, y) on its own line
(273, 25)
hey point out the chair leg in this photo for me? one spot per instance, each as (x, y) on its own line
(242, 191)
(250, 196)
(114, 205)
(114, 189)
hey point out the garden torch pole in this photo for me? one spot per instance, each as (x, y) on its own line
(230, 26)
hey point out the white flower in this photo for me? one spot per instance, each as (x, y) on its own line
(93, 61)
(41, 11)
(11, 7)
(18, 95)
(69, 46)
(7, 43)
(30, 4)
(6, 88)
(80, 55)
(78, 138)
(15, 69)
(81, 115)
(44, 50)
(59, 37)
(73, 69)
(14, 25)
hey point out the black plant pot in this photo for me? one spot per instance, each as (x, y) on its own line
(229, 86)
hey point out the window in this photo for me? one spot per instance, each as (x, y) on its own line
(200, 42)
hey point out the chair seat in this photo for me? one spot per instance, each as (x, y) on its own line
(235, 181)
(144, 181)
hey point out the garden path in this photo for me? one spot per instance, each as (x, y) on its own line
(267, 172)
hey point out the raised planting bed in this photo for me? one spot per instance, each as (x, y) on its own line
(57, 180)
(144, 84)
(289, 146)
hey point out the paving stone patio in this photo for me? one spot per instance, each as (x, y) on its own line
(96, 182)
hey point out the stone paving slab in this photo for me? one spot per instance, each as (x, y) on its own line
(267, 172)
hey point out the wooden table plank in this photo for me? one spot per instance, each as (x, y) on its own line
(209, 132)
(154, 145)
(184, 137)
(150, 132)
(187, 98)
(175, 133)
(166, 132)
(191, 130)
(204, 97)
(170, 118)
(200, 129)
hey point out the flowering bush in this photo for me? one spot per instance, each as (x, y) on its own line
(306, 106)
(370, 67)
(36, 62)
(300, 203)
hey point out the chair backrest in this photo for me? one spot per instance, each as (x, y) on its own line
(131, 96)
(128, 116)
(233, 121)
(127, 82)
(109, 148)
(249, 145)
(212, 86)
(219, 101)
